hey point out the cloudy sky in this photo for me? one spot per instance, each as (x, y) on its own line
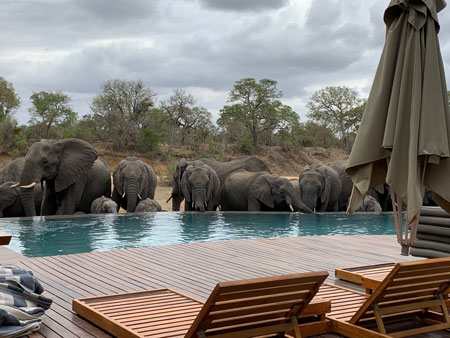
(203, 46)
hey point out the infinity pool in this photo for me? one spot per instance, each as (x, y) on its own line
(49, 236)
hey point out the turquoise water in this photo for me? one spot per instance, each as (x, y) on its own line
(49, 236)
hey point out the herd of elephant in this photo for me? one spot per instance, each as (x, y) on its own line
(68, 177)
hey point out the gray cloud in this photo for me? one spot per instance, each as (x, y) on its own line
(118, 10)
(74, 45)
(244, 5)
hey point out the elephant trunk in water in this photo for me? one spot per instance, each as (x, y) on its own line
(199, 199)
(297, 204)
(131, 191)
(27, 183)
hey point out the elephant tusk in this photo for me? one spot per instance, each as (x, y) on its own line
(123, 195)
(290, 207)
(29, 186)
(14, 185)
(171, 196)
(139, 196)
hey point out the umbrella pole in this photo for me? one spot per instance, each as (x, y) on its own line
(397, 218)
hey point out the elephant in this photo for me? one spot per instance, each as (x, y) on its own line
(72, 173)
(148, 205)
(12, 170)
(10, 203)
(133, 180)
(200, 187)
(223, 169)
(104, 205)
(370, 204)
(320, 187)
(346, 183)
(382, 194)
(259, 191)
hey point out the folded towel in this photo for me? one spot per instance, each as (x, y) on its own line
(10, 326)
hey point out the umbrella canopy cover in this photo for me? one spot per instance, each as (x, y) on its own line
(404, 137)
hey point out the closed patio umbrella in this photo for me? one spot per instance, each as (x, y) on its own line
(404, 137)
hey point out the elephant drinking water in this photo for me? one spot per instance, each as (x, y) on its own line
(200, 187)
(73, 174)
(259, 191)
(222, 169)
(133, 180)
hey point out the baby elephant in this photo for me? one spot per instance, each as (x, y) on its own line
(370, 204)
(148, 205)
(104, 205)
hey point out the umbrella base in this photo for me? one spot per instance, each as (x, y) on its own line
(405, 250)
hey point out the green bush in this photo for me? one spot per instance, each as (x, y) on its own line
(244, 145)
(149, 141)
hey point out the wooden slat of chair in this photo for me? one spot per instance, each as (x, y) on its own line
(5, 239)
(236, 307)
(378, 303)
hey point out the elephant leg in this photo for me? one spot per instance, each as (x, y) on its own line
(70, 201)
(321, 207)
(253, 204)
(187, 206)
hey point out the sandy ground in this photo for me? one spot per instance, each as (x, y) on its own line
(162, 194)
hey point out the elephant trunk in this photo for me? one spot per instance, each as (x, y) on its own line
(298, 205)
(27, 182)
(176, 201)
(131, 191)
(199, 199)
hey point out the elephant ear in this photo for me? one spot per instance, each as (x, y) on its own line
(212, 193)
(8, 195)
(262, 190)
(77, 157)
(180, 168)
(116, 178)
(184, 186)
(326, 186)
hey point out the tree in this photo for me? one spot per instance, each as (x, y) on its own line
(182, 114)
(51, 108)
(256, 107)
(121, 111)
(338, 108)
(9, 101)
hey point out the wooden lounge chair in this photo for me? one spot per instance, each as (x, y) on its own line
(245, 308)
(410, 290)
(4, 238)
(368, 276)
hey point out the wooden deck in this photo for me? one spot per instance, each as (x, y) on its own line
(193, 269)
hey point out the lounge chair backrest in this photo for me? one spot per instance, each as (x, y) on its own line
(410, 286)
(256, 306)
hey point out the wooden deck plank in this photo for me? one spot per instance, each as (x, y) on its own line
(193, 269)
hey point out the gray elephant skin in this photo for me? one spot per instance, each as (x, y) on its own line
(259, 191)
(200, 187)
(73, 174)
(320, 187)
(222, 169)
(133, 180)
(370, 204)
(148, 205)
(104, 205)
(10, 203)
(12, 170)
(346, 183)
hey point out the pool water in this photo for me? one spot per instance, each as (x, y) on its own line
(49, 236)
